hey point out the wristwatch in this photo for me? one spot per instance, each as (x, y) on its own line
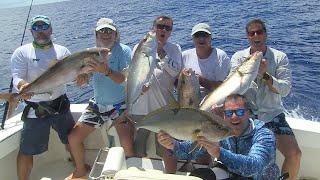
(266, 76)
(109, 71)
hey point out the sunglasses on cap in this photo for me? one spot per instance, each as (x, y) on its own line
(201, 34)
(238, 112)
(42, 27)
(252, 33)
(163, 26)
(106, 30)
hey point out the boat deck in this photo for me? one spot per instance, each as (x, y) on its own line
(54, 163)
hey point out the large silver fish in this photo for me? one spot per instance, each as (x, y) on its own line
(185, 123)
(236, 83)
(141, 68)
(62, 72)
(188, 89)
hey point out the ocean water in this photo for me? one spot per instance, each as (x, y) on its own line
(293, 27)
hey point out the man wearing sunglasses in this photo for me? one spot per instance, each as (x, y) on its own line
(209, 63)
(27, 63)
(249, 153)
(161, 84)
(109, 92)
(274, 82)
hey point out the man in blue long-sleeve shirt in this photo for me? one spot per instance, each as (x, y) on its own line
(250, 152)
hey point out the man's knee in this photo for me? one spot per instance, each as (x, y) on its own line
(72, 139)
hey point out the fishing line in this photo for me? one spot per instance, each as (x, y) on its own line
(11, 83)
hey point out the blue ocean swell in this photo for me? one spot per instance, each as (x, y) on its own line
(293, 27)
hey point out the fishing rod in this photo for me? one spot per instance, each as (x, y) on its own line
(11, 83)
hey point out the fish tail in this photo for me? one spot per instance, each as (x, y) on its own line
(13, 101)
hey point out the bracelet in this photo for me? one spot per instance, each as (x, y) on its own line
(109, 72)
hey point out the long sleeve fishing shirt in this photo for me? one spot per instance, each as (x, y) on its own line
(28, 63)
(250, 155)
(267, 104)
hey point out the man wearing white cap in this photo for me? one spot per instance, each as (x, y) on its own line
(211, 66)
(43, 111)
(109, 92)
(209, 63)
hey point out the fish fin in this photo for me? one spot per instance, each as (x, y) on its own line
(172, 102)
(13, 101)
(103, 55)
(52, 62)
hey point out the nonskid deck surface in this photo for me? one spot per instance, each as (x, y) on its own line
(57, 170)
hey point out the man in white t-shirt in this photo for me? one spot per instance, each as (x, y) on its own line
(211, 66)
(43, 110)
(209, 63)
(161, 84)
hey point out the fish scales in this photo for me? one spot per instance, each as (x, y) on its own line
(141, 68)
(237, 83)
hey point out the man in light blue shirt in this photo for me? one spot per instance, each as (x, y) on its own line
(109, 92)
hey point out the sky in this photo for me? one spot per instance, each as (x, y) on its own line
(19, 3)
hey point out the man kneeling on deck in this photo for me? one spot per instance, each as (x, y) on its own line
(249, 153)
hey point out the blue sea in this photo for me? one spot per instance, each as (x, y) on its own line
(293, 27)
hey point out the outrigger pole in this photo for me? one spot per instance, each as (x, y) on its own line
(11, 83)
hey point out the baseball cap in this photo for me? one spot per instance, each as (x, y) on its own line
(201, 27)
(105, 23)
(41, 18)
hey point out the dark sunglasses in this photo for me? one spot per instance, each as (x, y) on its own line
(42, 27)
(106, 30)
(252, 33)
(163, 26)
(201, 34)
(239, 112)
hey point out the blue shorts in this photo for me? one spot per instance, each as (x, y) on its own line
(96, 115)
(279, 125)
(35, 133)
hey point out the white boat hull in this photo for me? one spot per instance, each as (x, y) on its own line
(54, 163)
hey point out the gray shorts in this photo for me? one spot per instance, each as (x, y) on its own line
(96, 116)
(279, 125)
(35, 133)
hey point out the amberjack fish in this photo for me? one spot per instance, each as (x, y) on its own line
(141, 68)
(188, 89)
(183, 120)
(185, 123)
(238, 82)
(62, 72)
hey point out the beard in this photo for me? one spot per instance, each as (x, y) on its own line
(100, 43)
(42, 39)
